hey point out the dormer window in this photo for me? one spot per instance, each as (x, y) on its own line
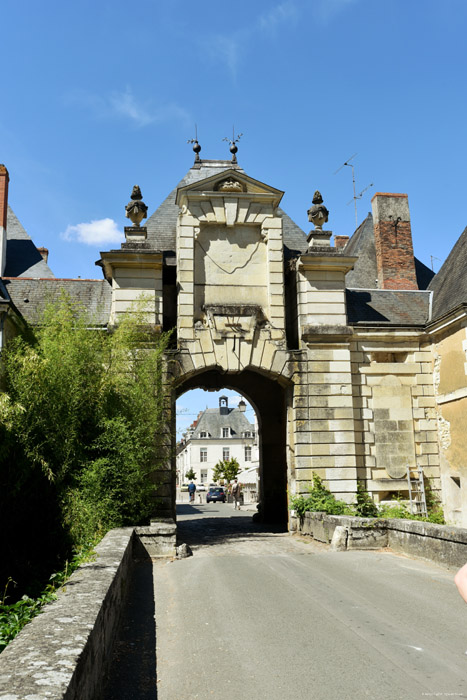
(225, 432)
(203, 434)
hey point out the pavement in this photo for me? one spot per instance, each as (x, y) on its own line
(258, 613)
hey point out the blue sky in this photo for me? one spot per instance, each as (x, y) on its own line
(98, 96)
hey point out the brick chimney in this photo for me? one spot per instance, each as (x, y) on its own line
(340, 242)
(4, 180)
(393, 241)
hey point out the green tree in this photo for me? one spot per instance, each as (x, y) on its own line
(190, 475)
(226, 469)
(83, 423)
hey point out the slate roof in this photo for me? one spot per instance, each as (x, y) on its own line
(365, 272)
(30, 295)
(212, 421)
(362, 244)
(22, 257)
(162, 224)
(449, 286)
(388, 307)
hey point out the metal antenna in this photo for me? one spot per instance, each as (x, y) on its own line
(433, 258)
(355, 195)
(359, 196)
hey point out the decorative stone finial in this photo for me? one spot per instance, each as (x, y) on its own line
(136, 210)
(233, 144)
(196, 148)
(318, 214)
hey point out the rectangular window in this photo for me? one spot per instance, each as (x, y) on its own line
(204, 476)
(203, 454)
(203, 434)
(225, 432)
(226, 454)
(247, 454)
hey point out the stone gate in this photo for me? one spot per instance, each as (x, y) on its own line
(337, 375)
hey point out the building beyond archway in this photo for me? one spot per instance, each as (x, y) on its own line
(268, 397)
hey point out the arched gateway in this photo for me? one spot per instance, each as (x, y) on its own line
(258, 306)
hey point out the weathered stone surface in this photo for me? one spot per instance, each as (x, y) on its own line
(63, 652)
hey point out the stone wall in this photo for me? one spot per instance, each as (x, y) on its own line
(63, 653)
(441, 544)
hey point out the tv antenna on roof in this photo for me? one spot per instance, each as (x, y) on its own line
(355, 195)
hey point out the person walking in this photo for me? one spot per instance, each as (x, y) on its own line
(236, 494)
(192, 491)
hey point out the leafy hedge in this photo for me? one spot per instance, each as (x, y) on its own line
(320, 499)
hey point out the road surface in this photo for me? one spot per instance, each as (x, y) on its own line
(265, 615)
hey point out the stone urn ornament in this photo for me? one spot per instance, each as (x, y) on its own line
(318, 214)
(136, 210)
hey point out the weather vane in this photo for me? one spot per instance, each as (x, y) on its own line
(196, 146)
(233, 144)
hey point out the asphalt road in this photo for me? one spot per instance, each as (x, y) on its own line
(264, 615)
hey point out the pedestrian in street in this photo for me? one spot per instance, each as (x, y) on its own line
(192, 491)
(236, 494)
(460, 580)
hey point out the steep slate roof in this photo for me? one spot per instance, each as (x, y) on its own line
(22, 257)
(387, 306)
(163, 223)
(30, 295)
(449, 286)
(365, 272)
(212, 421)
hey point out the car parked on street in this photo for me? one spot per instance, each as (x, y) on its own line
(215, 494)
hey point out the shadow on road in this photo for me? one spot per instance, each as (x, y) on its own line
(132, 674)
(214, 524)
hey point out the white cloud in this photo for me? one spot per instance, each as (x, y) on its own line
(124, 104)
(284, 12)
(226, 49)
(326, 10)
(94, 232)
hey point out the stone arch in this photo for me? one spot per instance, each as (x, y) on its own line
(267, 393)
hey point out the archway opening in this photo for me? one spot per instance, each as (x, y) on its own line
(268, 399)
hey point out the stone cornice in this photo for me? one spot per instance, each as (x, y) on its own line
(139, 259)
(328, 261)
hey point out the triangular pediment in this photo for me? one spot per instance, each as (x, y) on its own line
(230, 182)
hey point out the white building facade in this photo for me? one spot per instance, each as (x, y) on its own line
(220, 434)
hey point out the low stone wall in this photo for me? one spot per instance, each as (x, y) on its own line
(63, 653)
(442, 544)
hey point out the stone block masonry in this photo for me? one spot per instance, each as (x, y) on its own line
(63, 653)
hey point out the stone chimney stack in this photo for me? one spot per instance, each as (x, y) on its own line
(393, 241)
(45, 253)
(4, 180)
